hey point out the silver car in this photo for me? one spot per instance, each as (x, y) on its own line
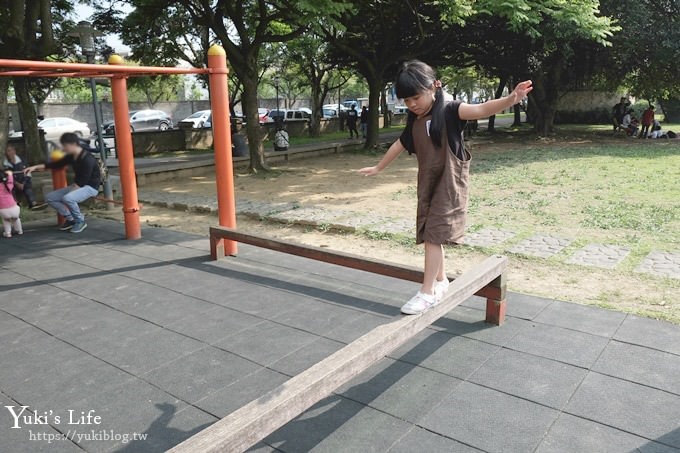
(55, 127)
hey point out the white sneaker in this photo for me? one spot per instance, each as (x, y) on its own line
(440, 288)
(419, 303)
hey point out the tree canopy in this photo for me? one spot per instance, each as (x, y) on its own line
(315, 46)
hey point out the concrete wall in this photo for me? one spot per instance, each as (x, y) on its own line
(586, 107)
(153, 142)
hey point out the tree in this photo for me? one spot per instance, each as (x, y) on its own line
(244, 28)
(377, 34)
(153, 89)
(309, 58)
(31, 30)
(644, 57)
(541, 40)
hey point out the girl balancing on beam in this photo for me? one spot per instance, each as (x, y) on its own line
(434, 132)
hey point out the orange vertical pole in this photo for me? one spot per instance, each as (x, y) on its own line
(224, 166)
(59, 182)
(126, 160)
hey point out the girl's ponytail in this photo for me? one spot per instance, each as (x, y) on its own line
(437, 127)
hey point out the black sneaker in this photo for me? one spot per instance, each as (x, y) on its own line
(67, 225)
(38, 206)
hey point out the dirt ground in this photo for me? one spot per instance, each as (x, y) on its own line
(332, 181)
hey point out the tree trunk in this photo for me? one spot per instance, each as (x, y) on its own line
(517, 110)
(255, 146)
(383, 106)
(29, 121)
(544, 99)
(317, 103)
(497, 95)
(671, 110)
(4, 112)
(375, 86)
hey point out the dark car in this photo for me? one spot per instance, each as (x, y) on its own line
(143, 120)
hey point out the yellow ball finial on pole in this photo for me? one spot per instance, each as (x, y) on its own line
(216, 49)
(116, 59)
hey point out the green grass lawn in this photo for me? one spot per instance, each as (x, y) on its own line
(613, 193)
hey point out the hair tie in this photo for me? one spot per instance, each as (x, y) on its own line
(437, 84)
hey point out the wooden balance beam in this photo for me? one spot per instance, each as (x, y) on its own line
(493, 291)
(253, 422)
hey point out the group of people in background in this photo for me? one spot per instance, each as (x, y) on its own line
(353, 116)
(16, 185)
(624, 118)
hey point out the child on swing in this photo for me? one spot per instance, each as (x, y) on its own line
(434, 132)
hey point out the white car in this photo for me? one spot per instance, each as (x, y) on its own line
(335, 107)
(55, 127)
(195, 120)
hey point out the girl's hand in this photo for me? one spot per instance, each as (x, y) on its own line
(522, 90)
(369, 171)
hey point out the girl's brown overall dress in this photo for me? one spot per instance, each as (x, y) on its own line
(443, 178)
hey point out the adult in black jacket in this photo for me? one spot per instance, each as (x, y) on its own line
(352, 116)
(86, 182)
(364, 121)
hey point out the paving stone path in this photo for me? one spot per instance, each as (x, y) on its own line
(600, 255)
(541, 246)
(663, 264)
(488, 237)
(658, 263)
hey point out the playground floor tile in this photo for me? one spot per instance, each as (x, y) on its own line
(572, 434)
(568, 346)
(419, 439)
(533, 378)
(406, 391)
(583, 318)
(490, 420)
(160, 341)
(633, 363)
(637, 409)
(650, 333)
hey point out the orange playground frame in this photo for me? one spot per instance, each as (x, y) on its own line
(118, 72)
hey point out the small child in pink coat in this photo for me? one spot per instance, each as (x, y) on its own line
(9, 209)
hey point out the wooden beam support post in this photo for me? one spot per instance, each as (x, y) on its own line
(253, 422)
(495, 301)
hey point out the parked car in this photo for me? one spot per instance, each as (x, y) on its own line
(330, 113)
(143, 120)
(194, 121)
(297, 115)
(275, 114)
(335, 107)
(236, 119)
(55, 127)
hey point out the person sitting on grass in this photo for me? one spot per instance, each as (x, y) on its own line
(629, 123)
(9, 209)
(23, 186)
(85, 185)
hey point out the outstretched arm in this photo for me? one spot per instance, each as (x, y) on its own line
(485, 110)
(391, 154)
